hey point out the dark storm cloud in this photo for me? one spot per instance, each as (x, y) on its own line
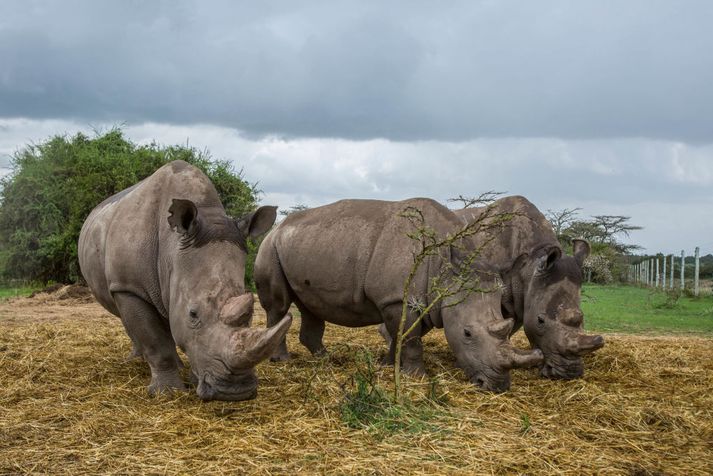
(405, 71)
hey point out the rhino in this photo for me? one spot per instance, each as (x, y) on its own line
(542, 285)
(165, 258)
(346, 263)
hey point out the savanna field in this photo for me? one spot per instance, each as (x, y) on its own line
(70, 404)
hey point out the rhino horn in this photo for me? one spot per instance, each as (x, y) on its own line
(251, 345)
(586, 344)
(501, 328)
(238, 311)
(514, 358)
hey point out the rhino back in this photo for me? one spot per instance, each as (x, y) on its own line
(126, 243)
(347, 261)
(527, 230)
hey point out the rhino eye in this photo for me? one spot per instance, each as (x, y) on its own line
(193, 314)
(466, 332)
(540, 320)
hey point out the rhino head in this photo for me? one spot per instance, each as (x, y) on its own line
(209, 311)
(552, 317)
(479, 338)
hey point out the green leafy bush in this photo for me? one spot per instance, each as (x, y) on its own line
(55, 184)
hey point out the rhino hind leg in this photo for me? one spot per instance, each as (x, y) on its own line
(276, 310)
(311, 332)
(273, 290)
(150, 333)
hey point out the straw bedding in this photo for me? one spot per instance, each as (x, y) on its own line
(70, 404)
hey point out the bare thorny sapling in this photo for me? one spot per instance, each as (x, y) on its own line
(455, 280)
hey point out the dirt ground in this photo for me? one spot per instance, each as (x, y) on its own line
(70, 404)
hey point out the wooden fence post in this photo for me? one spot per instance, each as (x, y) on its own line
(683, 268)
(656, 282)
(696, 283)
(663, 276)
(672, 266)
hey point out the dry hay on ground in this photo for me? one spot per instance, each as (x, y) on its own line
(70, 404)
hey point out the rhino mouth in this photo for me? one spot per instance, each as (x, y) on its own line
(490, 383)
(233, 388)
(561, 368)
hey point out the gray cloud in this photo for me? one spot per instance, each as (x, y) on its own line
(403, 71)
(664, 186)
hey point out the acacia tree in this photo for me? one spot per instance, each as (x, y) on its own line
(562, 219)
(485, 198)
(608, 258)
(294, 208)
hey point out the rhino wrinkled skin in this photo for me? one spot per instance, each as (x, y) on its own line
(346, 263)
(542, 285)
(164, 257)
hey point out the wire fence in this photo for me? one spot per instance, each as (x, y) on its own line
(659, 272)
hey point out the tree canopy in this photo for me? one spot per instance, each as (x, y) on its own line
(55, 184)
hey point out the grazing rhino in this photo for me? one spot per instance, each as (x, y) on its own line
(542, 285)
(346, 263)
(164, 257)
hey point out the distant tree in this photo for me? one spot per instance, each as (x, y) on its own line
(485, 198)
(294, 208)
(55, 184)
(609, 256)
(562, 219)
(582, 229)
(612, 226)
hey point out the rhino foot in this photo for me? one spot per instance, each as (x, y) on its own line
(415, 369)
(387, 360)
(166, 382)
(281, 357)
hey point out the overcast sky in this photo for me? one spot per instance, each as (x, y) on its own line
(603, 105)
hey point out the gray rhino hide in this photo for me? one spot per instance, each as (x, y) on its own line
(346, 263)
(542, 285)
(165, 257)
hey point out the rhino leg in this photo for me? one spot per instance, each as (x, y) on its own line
(385, 334)
(311, 332)
(152, 336)
(135, 353)
(412, 351)
(273, 290)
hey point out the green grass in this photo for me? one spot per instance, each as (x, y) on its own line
(367, 405)
(634, 310)
(10, 291)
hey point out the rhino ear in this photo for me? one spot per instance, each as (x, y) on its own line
(182, 216)
(581, 251)
(258, 222)
(552, 254)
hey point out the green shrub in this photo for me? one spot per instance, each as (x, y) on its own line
(55, 184)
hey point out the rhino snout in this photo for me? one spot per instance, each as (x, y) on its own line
(234, 387)
(490, 384)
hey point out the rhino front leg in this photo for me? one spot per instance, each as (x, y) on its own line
(311, 332)
(412, 351)
(151, 336)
